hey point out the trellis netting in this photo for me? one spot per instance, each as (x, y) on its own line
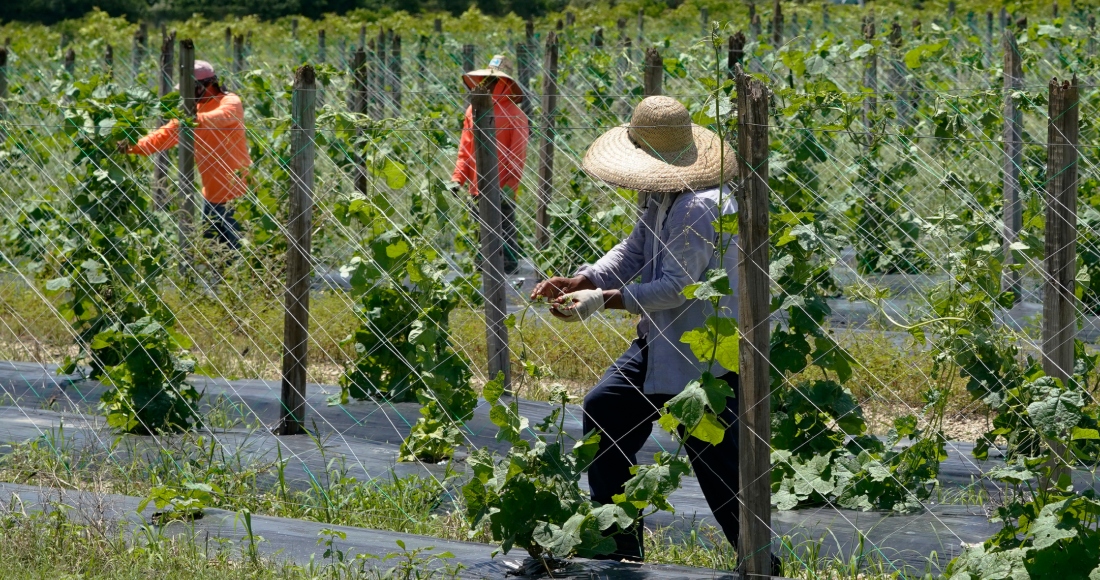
(910, 370)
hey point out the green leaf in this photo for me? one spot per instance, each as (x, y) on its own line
(710, 429)
(1080, 433)
(718, 340)
(716, 284)
(493, 389)
(57, 284)
(397, 249)
(1049, 527)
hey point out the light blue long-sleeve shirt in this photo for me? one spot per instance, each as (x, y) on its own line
(681, 255)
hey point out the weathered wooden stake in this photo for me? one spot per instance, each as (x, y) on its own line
(228, 42)
(736, 52)
(654, 73)
(298, 262)
(896, 74)
(70, 61)
(597, 37)
(321, 46)
(162, 161)
(238, 56)
(546, 152)
(137, 52)
(363, 37)
(524, 54)
(109, 60)
(381, 78)
(437, 26)
(3, 88)
(359, 99)
(570, 19)
(754, 26)
(754, 402)
(1060, 265)
(467, 57)
(186, 165)
(1013, 157)
(870, 75)
(395, 75)
(294, 28)
(492, 240)
(777, 25)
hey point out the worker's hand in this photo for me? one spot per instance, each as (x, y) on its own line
(122, 147)
(579, 305)
(454, 187)
(555, 287)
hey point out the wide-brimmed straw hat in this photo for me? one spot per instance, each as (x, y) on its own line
(500, 66)
(660, 150)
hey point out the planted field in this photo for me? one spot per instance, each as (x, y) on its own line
(919, 283)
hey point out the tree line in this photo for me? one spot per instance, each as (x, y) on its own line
(52, 11)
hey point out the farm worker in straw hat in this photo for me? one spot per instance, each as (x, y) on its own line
(221, 151)
(684, 169)
(511, 134)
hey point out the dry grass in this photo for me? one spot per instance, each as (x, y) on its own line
(238, 335)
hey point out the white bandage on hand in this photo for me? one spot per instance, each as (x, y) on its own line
(579, 305)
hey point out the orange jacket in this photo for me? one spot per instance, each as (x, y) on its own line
(221, 149)
(511, 134)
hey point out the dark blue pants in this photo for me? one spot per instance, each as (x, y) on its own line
(624, 416)
(220, 224)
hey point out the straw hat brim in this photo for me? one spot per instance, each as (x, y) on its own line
(614, 158)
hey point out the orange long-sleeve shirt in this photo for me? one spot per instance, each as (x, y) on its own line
(511, 134)
(221, 146)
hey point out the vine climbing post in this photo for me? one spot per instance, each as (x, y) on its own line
(359, 105)
(186, 166)
(238, 56)
(161, 160)
(137, 51)
(653, 76)
(467, 57)
(298, 270)
(735, 53)
(3, 86)
(1013, 157)
(492, 240)
(1060, 265)
(870, 74)
(754, 413)
(321, 46)
(546, 151)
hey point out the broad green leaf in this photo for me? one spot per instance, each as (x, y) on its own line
(710, 429)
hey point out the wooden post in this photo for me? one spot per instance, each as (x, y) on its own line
(989, 27)
(1059, 301)
(467, 57)
(641, 27)
(755, 399)
(950, 11)
(395, 75)
(754, 26)
(492, 241)
(570, 19)
(653, 73)
(523, 64)
(437, 26)
(597, 37)
(137, 52)
(229, 42)
(736, 52)
(870, 75)
(186, 166)
(70, 61)
(238, 56)
(1091, 22)
(294, 28)
(1060, 265)
(381, 76)
(825, 21)
(359, 99)
(777, 25)
(546, 152)
(1003, 17)
(3, 88)
(298, 267)
(896, 73)
(109, 60)
(1013, 157)
(321, 46)
(161, 161)
(363, 37)
(1054, 9)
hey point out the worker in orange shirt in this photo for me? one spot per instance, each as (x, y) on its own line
(221, 152)
(511, 134)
